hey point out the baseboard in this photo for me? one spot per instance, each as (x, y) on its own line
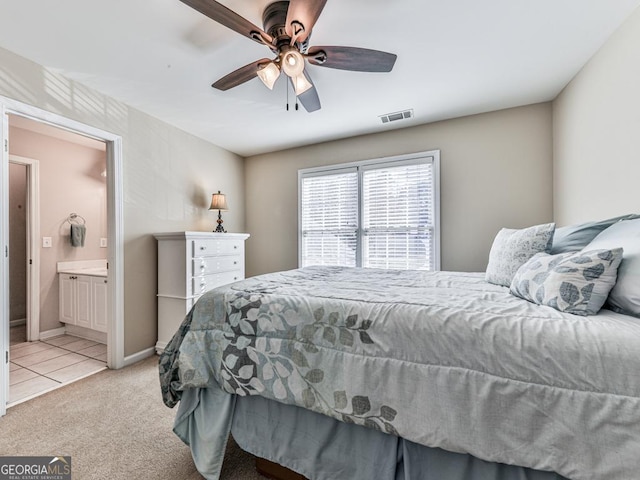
(52, 333)
(136, 357)
(18, 322)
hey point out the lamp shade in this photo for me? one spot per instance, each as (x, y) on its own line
(218, 202)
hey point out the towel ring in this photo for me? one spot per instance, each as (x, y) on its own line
(77, 219)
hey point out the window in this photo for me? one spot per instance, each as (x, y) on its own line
(377, 214)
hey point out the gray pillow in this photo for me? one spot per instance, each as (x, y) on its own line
(625, 295)
(575, 282)
(513, 248)
(575, 237)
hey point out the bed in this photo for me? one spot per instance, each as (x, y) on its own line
(351, 373)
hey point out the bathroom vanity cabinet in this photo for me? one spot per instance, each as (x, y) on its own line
(83, 301)
(83, 296)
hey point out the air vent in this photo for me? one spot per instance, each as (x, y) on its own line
(392, 117)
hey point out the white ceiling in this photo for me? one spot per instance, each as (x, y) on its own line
(455, 58)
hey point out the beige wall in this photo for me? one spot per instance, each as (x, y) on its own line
(169, 176)
(70, 182)
(597, 133)
(17, 240)
(496, 171)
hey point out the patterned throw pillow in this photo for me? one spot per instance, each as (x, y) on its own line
(513, 248)
(574, 282)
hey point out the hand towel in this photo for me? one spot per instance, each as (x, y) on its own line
(78, 232)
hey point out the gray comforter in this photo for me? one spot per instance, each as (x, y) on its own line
(442, 359)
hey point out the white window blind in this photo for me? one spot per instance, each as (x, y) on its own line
(397, 224)
(330, 219)
(377, 214)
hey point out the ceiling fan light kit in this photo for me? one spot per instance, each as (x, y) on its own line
(288, 25)
(293, 66)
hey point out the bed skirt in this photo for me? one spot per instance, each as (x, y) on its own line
(320, 447)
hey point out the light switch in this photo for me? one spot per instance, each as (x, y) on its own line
(103, 242)
(46, 242)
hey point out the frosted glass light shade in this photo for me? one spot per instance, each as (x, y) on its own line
(293, 63)
(301, 84)
(269, 73)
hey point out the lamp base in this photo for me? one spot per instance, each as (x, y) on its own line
(219, 228)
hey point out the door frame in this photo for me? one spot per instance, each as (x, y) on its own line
(115, 235)
(33, 252)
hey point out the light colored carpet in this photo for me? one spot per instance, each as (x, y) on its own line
(115, 426)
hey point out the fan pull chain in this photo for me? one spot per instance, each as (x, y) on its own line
(297, 105)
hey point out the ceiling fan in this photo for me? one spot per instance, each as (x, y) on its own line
(287, 27)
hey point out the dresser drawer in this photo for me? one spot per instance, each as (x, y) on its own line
(207, 265)
(208, 247)
(204, 283)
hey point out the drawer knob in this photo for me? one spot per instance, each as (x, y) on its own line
(235, 278)
(235, 247)
(235, 262)
(105, 281)
(202, 247)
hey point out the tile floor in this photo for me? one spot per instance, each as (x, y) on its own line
(38, 367)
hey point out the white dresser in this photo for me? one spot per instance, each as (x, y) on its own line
(190, 264)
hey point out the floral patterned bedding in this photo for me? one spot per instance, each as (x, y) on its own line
(442, 359)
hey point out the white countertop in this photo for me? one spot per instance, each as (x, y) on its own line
(94, 272)
(94, 268)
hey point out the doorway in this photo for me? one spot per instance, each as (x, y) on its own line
(115, 288)
(69, 176)
(18, 318)
(24, 258)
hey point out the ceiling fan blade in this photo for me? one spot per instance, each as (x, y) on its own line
(309, 99)
(301, 17)
(229, 19)
(352, 58)
(239, 76)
